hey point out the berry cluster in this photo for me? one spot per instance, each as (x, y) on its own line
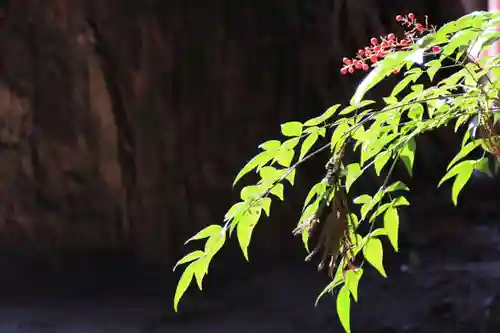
(379, 48)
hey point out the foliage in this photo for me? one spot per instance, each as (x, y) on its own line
(383, 134)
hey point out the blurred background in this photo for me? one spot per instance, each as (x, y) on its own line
(122, 126)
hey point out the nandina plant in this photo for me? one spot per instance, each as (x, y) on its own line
(382, 134)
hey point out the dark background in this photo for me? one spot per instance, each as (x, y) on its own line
(123, 124)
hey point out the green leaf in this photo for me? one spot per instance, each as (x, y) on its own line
(373, 253)
(408, 155)
(291, 177)
(378, 232)
(291, 128)
(338, 136)
(483, 165)
(290, 143)
(404, 83)
(463, 152)
(400, 201)
(278, 191)
(215, 243)
(374, 77)
(235, 209)
(325, 116)
(461, 38)
(307, 144)
(244, 230)
(269, 174)
(183, 284)
(285, 157)
(190, 257)
(270, 145)
(352, 278)
(337, 280)
(207, 232)
(255, 162)
(381, 160)
(265, 204)
(462, 177)
(391, 225)
(362, 199)
(344, 308)
(463, 166)
(353, 171)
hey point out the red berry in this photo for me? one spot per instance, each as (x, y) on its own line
(391, 37)
(419, 28)
(395, 71)
(343, 71)
(376, 49)
(351, 70)
(436, 49)
(374, 41)
(357, 64)
(365, 67)
(411, 16)
(399, 18)
(403, 42)
(346, 61)
(373, 58)
(361, 52)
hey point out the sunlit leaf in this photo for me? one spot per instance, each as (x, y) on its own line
(408, 155)
(206, 232)
(324, 117)
(189, 257)
(307, 144)
(291, 128)
(284, 157)
(391, 225)
(381, 160)
(352, 278)
(255, 162)
(373, 253)
(278, 191)
(460, 180)
(183, 284)
(463, 166)
(244, 230)
(344, 307)
(463, 153)
(353, 171)
(270, 145)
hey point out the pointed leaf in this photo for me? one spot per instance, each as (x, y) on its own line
(255, 162)
(344, 308)
(270, 145)
(381, 160)
(374, 77)
(183, 284)
(353, 171)
(464, 152)
(291, 128)
(307, 144)
(462, 177)
(189, 257)
(460, 167)
(208, 231)
(278, 191)
(391, 225)
(244, 230)
(374, 253)
(408, 155)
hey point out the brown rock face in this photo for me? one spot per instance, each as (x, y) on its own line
(123, 123)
